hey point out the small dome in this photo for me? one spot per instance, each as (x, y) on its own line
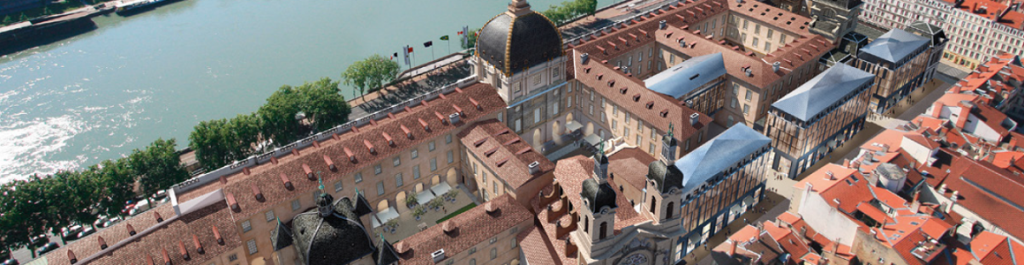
(338, 238)
(664, 176)
(598, 194)
(518, 39)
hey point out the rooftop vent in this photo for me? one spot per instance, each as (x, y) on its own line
(101, 242)
(156, 215)
(438, 255)
(216, 235)
(286, 181)
(308, 171)
(131, 229)
(231, 201)
(584, 58)
(199, 246)
(662, 24)
(490, 207)
(330, 163)
(748, 72)
(369, 147)
(775, 66)
(694, 118)
(387, 137)
(71, 257)
(453, 118)
(534, 167)
(255, 192)
(183, 250)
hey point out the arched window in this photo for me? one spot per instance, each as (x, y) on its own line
(668, 212)
(654, 203)
(604, 229)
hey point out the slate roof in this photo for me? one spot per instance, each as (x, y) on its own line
(937, 35)
(665, 177)
(598, 194)
(684, 77)
(718, 154)
(823, 91)
(336, 239)
(281, 236)
(893, 46)
(514, 44)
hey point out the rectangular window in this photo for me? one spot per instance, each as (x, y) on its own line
(615, 110)
(448, 139)
(555, 110)
(746, 109)
(232, 257)
(451, 157)
(750, 95)
(757, 29)
(398, 180)
(433, 164)
(770, 32)
(246, 226)
(591, 109)
(377, 169)
(568, 102)
(735, 89)
(639, 126)
(604, 103)
(536, 115)
(519, 125)
(414, 153)
(754, 43)
(768, 47)
(745, 23)
(416, 172)
(252, 246)
(296, 205)
(380, 188)
(494, 187)
(337, 186)
(638, 139)
(431, 146)
(782, 38)
(733, 103)
(270, 215)
(651, 148)
(743, 37)
(625, 132)
(396, 161)
(513, 243)
(359, 177)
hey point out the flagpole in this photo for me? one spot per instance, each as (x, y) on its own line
(432, 52)
(449, 46)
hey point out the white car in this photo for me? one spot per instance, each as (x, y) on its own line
(71, 231)
(87, 231)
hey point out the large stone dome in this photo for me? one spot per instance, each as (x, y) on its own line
(518, 39)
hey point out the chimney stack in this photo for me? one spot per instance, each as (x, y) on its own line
(694, 119)
(662, 24)
(776, 66)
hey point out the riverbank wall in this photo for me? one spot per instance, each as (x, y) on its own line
(48, 29)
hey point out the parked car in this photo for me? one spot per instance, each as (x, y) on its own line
(85, 232)
(71, 231)
(110, 222)
(140, 207)
(39, 240)
(10, 262)
(159, 195)
(48, 247)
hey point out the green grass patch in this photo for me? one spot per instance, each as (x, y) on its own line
(453, 214)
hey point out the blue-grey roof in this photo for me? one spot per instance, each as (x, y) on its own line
(719, 154)
(687, 76)
(894, 45)
(822, 91)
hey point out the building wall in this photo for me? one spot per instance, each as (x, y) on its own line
(504, 245)
(601, 116)
(796, 142)
(893, 82)
(756, 35)
(974, 39)
(825, 219)
(707, 210)
(393, 195)
(871, 251)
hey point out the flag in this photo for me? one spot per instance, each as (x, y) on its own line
(460, 32)
(410, 48)
(445, 37)
(395, 55)
(427, 44)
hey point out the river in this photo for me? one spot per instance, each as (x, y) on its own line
(98, 95)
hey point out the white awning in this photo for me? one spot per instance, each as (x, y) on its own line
(572, 126)
(424, 196)
(592, 139)
(384, 216)
(441, 188)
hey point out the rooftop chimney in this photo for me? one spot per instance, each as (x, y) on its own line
(534, 167)
(438, 255)
(694, 119)
(662, 24)
(775, 66)
(584, 58)
(453, 118)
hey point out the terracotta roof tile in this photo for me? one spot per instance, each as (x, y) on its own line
(473, 226)
(350, 143)
(490, 141)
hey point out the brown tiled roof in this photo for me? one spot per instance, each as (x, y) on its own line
(571, 172)
(166, 238)
(267, 176)
(677, 114)
(629, 166)
(484, 136)
(472, 227)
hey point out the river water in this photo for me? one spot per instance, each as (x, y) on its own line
(101, 94)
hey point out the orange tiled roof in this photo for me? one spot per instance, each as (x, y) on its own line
(511, 156)
(472, 227)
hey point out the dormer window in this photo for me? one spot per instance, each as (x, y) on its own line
(387, 137)
(408, 133)
(351, 156)
(369, 146)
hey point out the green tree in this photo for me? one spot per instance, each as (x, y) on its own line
(323, 104)
(244, 133)
(23, 17)
(371, 73)
(159, 166)
(278, 116)
(472, 39)
(7, 20)
(211, 143)
(117, 180)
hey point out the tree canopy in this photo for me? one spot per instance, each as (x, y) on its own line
(371, 73)
(472, 39)
(570, 10)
